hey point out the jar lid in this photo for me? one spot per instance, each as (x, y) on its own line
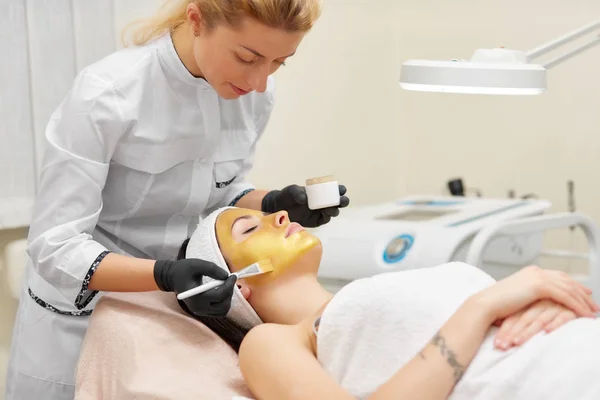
(322, 179)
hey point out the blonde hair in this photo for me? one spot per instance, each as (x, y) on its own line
(290, 15)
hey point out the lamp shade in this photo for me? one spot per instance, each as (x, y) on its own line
(494, 71)
(490, 71)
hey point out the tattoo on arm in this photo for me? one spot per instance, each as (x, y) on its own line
(439, 341)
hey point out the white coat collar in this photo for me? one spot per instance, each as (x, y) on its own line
(169, 55)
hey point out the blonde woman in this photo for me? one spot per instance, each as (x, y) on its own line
(148, 139)
(422, 334)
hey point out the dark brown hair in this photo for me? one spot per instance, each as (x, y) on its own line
(229, 331)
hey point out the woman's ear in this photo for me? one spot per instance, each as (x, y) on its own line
(245, 289)
(194, 17)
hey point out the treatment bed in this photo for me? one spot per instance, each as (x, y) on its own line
(143, 346)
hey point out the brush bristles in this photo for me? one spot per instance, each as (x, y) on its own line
(257, 268)
(265, 265)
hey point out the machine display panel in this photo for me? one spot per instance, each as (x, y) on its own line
(415, 215)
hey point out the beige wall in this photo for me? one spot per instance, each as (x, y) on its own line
(341, 110)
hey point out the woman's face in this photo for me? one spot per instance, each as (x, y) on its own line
(236, 61)
(248, 236)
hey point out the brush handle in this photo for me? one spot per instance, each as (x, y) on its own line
(199, 289)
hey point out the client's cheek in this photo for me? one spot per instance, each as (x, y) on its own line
(283, 258)
(273, 248)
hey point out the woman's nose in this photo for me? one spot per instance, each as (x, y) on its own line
(281, 218)
(258, 80)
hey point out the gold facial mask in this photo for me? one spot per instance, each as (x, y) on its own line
(267, 240)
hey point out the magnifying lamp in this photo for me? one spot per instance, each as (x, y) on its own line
(493, 71)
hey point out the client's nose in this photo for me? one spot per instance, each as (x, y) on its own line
(281, 218)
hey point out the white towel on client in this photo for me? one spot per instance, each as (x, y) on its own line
(374, 326)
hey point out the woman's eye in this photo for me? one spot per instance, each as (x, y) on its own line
(250, 229)
(240, 59)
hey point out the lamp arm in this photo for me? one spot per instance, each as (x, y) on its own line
(545, 48)
(572, 53)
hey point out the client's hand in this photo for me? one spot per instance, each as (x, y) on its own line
(293, 200)
(186, 274)
(523, 325)
(530, 284)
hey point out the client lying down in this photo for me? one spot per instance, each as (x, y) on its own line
(420, 334)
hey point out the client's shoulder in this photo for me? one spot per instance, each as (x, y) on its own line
(269, 335)
(266, 329)
(266, 343)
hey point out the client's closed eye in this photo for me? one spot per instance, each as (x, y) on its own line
(244, 226)
(250, 229)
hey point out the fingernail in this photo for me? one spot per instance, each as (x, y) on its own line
(518, 340)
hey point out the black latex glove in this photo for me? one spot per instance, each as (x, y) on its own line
(182, 275)
(293, 199)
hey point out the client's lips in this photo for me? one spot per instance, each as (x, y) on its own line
(293, 228)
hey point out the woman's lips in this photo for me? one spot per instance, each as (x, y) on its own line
(293, 228)
(239, 91)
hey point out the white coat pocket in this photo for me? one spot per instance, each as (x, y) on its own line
(156, 158)
(149, 180)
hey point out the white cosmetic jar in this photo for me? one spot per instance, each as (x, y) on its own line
(322, 192)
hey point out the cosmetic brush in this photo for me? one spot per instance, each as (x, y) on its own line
(258, 268)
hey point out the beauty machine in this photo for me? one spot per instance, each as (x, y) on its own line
(420, 232)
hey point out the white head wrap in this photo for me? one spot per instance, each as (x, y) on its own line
(203, 245)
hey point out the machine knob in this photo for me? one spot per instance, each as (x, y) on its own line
(396, 250)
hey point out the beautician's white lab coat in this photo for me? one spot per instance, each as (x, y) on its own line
(134, 154)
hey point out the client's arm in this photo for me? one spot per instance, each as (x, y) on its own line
(278, 361)
(440, 365)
